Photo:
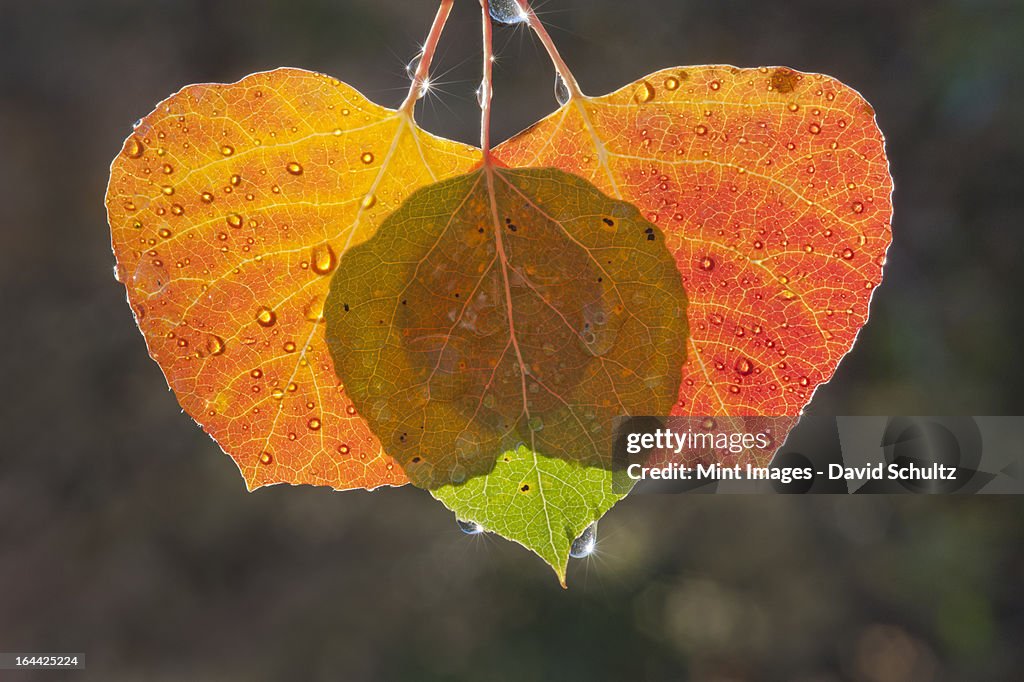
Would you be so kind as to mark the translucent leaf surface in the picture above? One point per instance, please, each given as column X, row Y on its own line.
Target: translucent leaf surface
column 505, row 318
column 773, row 190
column 230, row 207
column 541, row 502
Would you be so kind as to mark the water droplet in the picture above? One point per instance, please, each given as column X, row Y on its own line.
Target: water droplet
column 814, row 128
column 206, row 197
column 368, row 201
column 314, row 424
column 227, row 150
column 367, row 157
column 585, row 544
column 562, row 93
column 235, row 180
column 324, row 260
column 744, row 366
column 707, row 263
column 234, row 220
column 701, row 130
column 214, row 345
column 294, row 168
column 178, row 209
column 671, row 83
column 470, row 527
column 289, row 347
column 410, row 69
column 167, row 190
column 804, row 381
column 133, row 148
column 256, row 373
column 266, row 317
column 164, row 232
column 644, row 92
column 507, row 12
column 351, row 409
column 858, row 207
column 314, row 311
column 266, row 458
column 847, row 254
column 480, row 94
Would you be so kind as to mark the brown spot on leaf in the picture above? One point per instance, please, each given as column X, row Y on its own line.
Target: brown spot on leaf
column 784, row 80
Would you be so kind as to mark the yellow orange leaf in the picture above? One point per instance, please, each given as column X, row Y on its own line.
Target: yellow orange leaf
column 230, row 207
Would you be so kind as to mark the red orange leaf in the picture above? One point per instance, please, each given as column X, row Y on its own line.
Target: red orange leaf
column 229, row 207
column 773, row 189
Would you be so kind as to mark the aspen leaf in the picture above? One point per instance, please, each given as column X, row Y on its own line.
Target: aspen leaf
column 230, row 207
column 256, row 224
column 505, row 307
column 773, row 190
column 491, row 331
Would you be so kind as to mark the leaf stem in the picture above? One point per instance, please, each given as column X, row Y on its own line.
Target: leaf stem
column 561, row 68
column 486, row 90
column 422, row 77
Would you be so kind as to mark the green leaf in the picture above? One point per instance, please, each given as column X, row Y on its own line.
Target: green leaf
column 490, row 333
column 543, row 503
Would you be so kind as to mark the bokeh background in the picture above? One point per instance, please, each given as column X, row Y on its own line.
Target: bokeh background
column 127, row 535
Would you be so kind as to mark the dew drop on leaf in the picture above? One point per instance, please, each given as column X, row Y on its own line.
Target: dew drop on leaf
column 266, row 317
column 561, row 90
column 214, row 345
column 585, row 544
column 469, row 527
column 324, row 260
column 314, row 310
column 644, row 92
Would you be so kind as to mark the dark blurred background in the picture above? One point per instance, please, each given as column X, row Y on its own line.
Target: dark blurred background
column 126, row 534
